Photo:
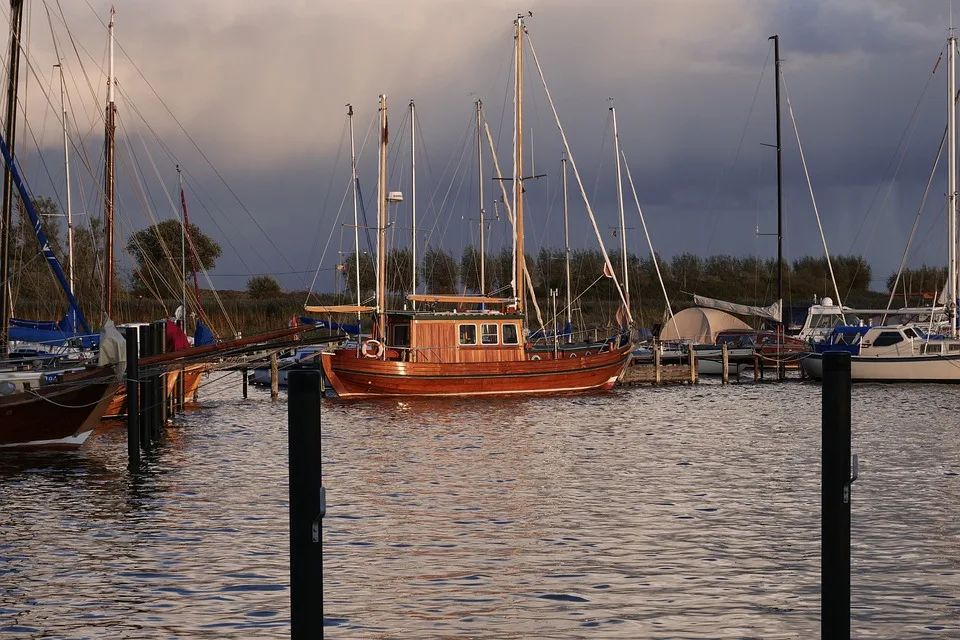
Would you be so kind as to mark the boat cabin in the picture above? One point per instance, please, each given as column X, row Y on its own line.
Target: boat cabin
column 455, row 336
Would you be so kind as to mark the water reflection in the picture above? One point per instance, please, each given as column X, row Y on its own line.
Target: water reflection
column 643, row 513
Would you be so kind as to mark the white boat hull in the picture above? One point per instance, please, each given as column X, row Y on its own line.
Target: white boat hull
column 921, row 368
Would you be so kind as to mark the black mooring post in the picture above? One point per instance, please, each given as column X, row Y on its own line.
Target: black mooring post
column 164, row 396
column 244, row 372
column 835, row 498
column 159, row 390
column 146, row 391
column 307, row 505
column 133, row 400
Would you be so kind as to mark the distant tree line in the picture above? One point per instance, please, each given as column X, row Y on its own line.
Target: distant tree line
column 741, row 279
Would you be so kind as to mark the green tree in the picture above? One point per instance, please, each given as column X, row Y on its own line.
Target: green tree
column 470, row 269
column 263, row 287
column 439, row 271
column 399, row 271
column 158, row 250
column 368, row 277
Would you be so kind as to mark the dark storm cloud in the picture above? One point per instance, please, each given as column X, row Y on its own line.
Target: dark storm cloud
column 262, row 90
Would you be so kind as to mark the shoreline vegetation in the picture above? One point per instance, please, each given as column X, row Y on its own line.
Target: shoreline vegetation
column 742, row 279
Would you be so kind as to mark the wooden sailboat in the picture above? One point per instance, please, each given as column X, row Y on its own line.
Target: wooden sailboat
column 461, row 353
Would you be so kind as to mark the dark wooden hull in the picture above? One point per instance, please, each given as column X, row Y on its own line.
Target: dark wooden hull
column 191, row 383
column 358, row 377
column 61, row 415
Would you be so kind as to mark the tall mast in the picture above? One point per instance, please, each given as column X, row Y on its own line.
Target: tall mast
column 776, row 56
column 566, row 242
column 108, row 181
column 6, row 216
column 183, row 250
column 382, row 225
column 483, row 250
column 623, row 224
column 413, row 199
column 952, row 181
column 518, row 172
column 356, row 219
column 66, row 167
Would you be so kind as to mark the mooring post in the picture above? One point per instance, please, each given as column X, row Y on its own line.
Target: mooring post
column 307, row 505
column 835, row 498
column 133, row 400
column 756, row 367
column 275, row 377
column 164, row 381
column 691, row 356
column 146, row 412
column 657, row 364
column 725, row 361
column 244, row 371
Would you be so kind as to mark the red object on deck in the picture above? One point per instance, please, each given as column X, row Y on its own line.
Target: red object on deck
column 176, row 338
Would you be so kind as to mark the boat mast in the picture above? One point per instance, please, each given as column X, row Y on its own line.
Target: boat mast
column 483, row 251
column 623, row 224
column 108, row 180
column 66, row 166
column 356, row 219
column 566, row 242
column 413, row 200
column 183, row 251
column 952, row 181
column 6, row 217
column 518, row 171
column 776, row 56
column 382, row 225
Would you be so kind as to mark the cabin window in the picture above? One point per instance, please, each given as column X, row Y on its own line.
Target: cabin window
column 489, row 334
column 888, row 339
column 953, row 346
column 510, row 334
column 909, row 333
column 468, row 334
column 932, row 348
column 401, row 335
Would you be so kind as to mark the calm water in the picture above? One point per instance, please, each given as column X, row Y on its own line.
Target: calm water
column 642, row 513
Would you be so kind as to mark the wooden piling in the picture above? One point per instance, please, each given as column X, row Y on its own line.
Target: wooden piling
column 756, row 367
column 693, row 364
column 146, row 390
column 133, row 400
column 725, row 361
column 835, row 497
column 275, row 377
column 657, row 364
column 244, row 371
column 307, row 505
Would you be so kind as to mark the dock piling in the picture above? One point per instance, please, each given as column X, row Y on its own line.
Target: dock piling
column 145, row 390
column 133, row 400
column 244, row 372
column 307, row 505
column 274, row 377
column 657, row 364
column 725, row 360
column 692, row 357
column 835, row 497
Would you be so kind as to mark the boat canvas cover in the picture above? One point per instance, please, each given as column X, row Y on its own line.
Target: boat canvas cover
column 700, row 325
column 771, row 313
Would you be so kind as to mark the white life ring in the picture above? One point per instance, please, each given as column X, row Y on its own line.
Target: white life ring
column 372, row 349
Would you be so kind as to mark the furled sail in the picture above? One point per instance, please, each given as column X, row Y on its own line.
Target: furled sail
column 772, row 312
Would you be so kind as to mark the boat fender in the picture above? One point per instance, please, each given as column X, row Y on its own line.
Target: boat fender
column 535, row 357
column 372, row 349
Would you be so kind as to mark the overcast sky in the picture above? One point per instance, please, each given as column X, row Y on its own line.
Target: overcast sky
column 261, row 90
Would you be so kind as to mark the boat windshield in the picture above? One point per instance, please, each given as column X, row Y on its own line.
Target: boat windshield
column 830, row 320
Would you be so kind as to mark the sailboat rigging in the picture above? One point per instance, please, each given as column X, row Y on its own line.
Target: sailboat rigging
column 466, row 352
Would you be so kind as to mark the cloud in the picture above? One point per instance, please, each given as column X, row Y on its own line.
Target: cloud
column 261, row 87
